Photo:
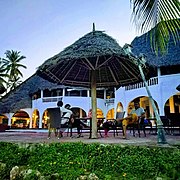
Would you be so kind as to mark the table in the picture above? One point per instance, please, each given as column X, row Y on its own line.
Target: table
column 99, row 123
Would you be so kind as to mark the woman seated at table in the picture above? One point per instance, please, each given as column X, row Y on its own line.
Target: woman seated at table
column 76, row 123
column 107, row 125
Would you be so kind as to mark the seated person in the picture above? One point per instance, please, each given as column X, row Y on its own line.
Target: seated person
column 111, row 124
column 90, row 113
column 107, row 125
column 76, row 123
column 134, row 117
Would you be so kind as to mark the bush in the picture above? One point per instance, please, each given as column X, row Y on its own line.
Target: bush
column 71, row 160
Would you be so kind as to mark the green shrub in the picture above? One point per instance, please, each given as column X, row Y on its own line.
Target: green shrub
column 71, row 160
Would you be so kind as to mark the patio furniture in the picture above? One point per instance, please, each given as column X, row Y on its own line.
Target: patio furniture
column 167, row 123
column 118, row 125
column 175, row 123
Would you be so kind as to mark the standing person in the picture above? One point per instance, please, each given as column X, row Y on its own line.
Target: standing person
column 133, row 117
column 65, row 115
column 53, row 121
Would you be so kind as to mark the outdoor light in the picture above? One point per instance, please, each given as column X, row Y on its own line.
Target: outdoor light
column 142, row 58
column 127, row 48
column 140, row 62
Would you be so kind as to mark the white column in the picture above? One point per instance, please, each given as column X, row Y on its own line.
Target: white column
column 40, row 119
column 158, row 71
column 41, row 93
column 30, row 123
column 9, row 115
column 88, row 93
column 63, row 94
column 104, row 94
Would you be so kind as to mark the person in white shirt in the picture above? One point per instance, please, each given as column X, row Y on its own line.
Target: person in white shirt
column 135, row 116
column 65, row 114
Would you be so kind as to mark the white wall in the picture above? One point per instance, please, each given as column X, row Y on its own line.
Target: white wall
column 161, row 92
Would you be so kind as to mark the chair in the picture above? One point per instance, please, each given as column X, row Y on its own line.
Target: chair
column 166, row 123
column 175, row 123
column 54, row 120
column 120, row 114
column 139, row 125
column 118, row 125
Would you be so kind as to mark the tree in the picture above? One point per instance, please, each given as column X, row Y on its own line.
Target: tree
column 12, row 64
column 159, row 16
column 3, row 76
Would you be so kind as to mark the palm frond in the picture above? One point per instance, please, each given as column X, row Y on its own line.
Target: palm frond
column 159, row 16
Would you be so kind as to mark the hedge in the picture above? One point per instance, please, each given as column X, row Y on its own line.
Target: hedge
column 71, row 160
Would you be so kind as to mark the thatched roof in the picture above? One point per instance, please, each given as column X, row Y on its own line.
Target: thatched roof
column 142, row 45
column 21, row 96
column 91, row 45
column 95, row 51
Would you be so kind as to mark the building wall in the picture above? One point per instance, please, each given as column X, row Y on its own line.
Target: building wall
column 160, row 92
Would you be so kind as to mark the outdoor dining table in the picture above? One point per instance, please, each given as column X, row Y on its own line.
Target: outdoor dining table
column 99, row 123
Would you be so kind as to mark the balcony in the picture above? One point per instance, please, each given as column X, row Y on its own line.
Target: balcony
column 150, row 82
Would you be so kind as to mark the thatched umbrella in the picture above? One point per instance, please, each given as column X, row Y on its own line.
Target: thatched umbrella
column 95, row 60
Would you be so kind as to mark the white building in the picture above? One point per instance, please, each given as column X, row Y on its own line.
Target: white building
column 27, row 105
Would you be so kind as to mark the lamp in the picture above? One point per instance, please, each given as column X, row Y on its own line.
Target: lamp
column 140, row 61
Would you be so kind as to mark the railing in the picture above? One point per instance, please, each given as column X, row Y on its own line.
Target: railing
column 51, row 99
column 109, row 101
column 150, row 82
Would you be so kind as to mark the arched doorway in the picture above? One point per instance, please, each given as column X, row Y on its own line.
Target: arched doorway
column 78, row 112
column 110, row 114
column 35, row 119
column 100, row 113
column 172, row 105
column 119, row 107
column 20, row 119
column 3, row 119
column 145, row 104
column 45, row 119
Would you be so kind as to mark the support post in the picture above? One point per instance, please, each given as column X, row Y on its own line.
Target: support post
column 94, row 105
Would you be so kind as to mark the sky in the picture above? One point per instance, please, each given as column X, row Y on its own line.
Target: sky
column 40, row 29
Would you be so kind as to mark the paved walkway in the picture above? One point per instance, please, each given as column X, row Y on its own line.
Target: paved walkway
column 27, row 136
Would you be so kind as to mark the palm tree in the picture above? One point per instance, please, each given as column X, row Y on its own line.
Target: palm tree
column 3, row 76
column 12, row 64
column 13, row 83
column 159, row 16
